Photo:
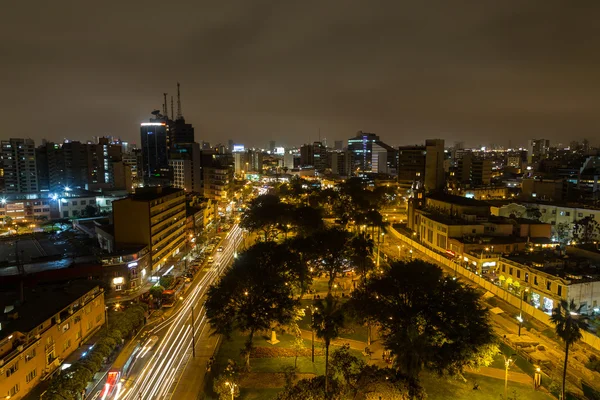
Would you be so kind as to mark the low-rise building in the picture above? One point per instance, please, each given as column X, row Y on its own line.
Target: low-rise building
column 544, row 278
column 37, row 334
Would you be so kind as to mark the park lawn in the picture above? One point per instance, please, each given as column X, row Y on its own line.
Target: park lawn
column 489, row 388
column 351, row 329
column 258, row 394
column 231, row 350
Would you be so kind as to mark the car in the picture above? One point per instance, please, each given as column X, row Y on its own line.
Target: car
column 210, row 260
column 220, row 248
column 217, row 239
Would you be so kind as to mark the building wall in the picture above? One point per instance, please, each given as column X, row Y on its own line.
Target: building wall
column 48, row 345
column 435, row 177
column 125, row 211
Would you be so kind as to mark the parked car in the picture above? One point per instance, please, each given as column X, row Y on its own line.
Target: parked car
column 220, row 248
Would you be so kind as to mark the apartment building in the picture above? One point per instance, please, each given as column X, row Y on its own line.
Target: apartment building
column 36, row 335
column 154, row 217
column 217, row 183
column 17, row 159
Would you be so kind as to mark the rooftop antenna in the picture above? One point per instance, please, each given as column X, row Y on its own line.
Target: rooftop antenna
column 165, row 106
column 179, row 115
column 172, row 113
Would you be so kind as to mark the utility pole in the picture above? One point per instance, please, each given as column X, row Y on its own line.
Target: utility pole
column 193, row 335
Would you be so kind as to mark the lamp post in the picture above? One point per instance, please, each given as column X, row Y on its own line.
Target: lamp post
column 520, row 317
column 312, row 330
column 507, row 362
column 399, row 254
column 231, row 388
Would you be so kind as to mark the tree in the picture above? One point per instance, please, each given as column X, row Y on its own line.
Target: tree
column 166, row 281
column 533, row 213
column 157, row 291
column 8, row 220
column 308, row 389
column 331, row 252
column 328, row 318
column 426, row 319
column 253, row 295
column 361, row 251
column 563, row 232
column 264, row 214
column 90, row 211
column 569, row 323
column 586, row 230
column 348, row 366
column 307, row 220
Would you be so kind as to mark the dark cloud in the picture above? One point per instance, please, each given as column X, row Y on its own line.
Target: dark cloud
column 482, row 71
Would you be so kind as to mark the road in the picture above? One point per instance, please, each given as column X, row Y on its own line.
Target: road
column 157, row 373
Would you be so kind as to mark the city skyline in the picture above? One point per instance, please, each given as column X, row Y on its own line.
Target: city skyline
column 262, row 72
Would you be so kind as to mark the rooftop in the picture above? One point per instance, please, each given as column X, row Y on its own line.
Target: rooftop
column 153, row 193
column 459, row 200
column 41, row 303
column 567, row 267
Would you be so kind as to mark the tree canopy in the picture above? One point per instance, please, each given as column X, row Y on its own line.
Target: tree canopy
column 426, row 319
column 253, row 295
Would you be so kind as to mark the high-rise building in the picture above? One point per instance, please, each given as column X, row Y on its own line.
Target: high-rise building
column 422, row 165
column 307, row 156
column 50, row 164
column 319, row 156
column 155, row 150
column 337, row 162
column 339, row 145
column 537, row 150
column 271, row 146
column 185, row 164
column 180, row 132
column 18, row 163
column 369, row 154
column 155, row 217
column 254, row 159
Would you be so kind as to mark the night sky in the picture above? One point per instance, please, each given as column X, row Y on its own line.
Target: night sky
column 480, row 71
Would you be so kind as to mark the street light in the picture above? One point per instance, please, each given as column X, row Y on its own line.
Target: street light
column 507, row 363
column 232, row 388
column 520, row 317
column 312, row 329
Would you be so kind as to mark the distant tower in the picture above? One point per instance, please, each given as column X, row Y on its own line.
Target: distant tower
column 179, row 114
column 165, row 113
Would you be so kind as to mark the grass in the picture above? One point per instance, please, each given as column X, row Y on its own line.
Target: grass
column 351, row 329
column 490, row 389
column 258, row 394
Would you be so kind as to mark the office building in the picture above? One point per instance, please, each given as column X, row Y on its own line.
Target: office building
column 18, row 163
column 254, row 159
column 338, row 145
column 154, row 217
column 155, row 150
column 307, row 156
column 217, row 182
column 337, row 160
column 422, row 165
column 42, row 329
column 537, row 150
column 272, row 146
column 369, row 154
column 185, row 165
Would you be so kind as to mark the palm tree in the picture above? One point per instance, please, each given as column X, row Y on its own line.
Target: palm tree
column 569, row 323
column 362, row 249
column 328, row 318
